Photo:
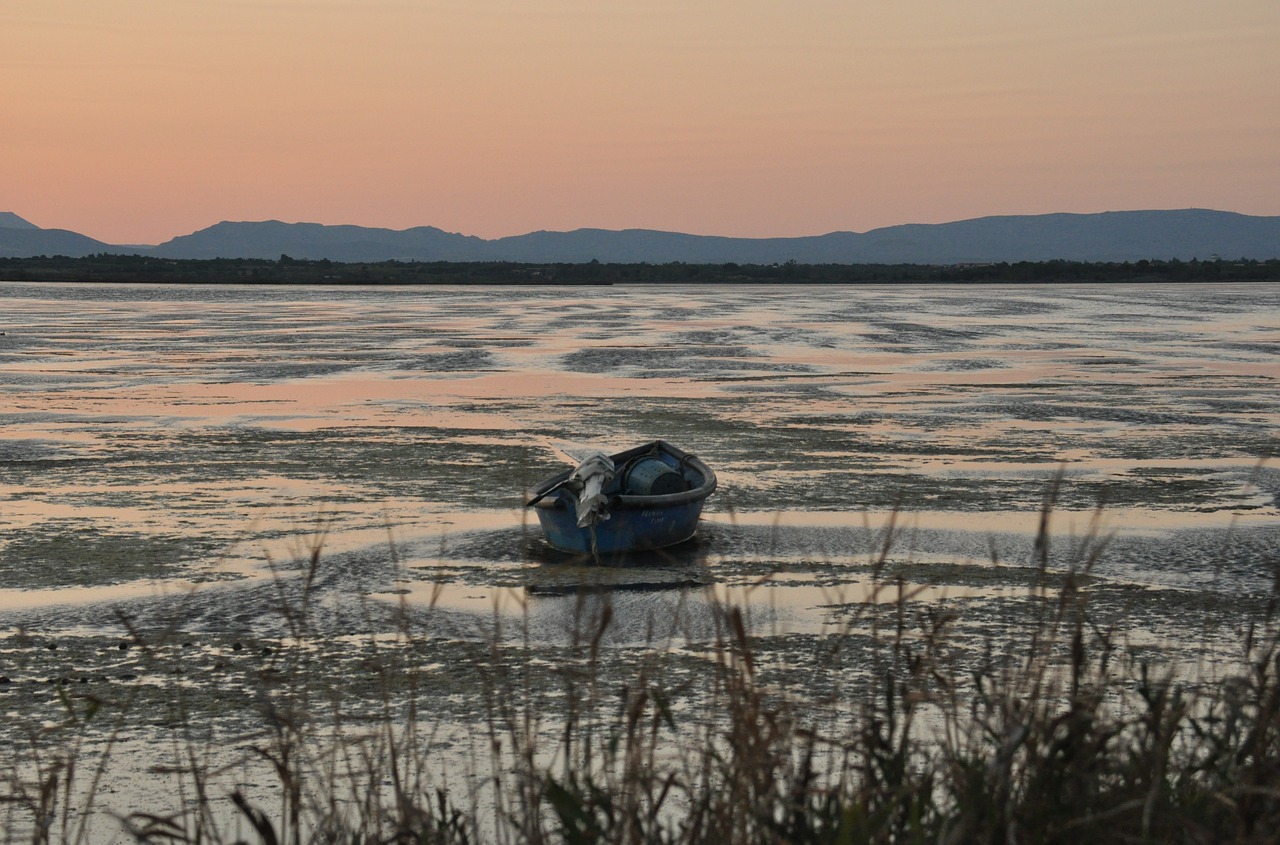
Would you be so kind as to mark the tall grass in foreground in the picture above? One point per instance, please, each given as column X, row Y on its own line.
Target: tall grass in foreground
column 1057, row 734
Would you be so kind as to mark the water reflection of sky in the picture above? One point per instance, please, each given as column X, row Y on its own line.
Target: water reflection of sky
column 183, row 435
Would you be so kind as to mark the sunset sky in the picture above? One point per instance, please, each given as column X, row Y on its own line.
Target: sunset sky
column 134, row 121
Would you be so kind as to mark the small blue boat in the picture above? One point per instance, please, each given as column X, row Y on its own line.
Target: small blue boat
column 641, row 499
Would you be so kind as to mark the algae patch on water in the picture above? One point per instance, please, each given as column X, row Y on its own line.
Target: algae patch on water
column 73, row 553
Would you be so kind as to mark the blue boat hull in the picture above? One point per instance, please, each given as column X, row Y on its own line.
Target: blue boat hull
column 624, row 531
column 635, row 523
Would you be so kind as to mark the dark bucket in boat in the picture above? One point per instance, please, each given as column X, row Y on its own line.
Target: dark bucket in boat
column 652, row 477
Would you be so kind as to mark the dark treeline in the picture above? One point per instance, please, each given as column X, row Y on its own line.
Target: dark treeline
column 140, row 268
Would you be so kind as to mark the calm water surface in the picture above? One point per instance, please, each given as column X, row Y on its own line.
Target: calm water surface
column 155, row 437
column 170, row 457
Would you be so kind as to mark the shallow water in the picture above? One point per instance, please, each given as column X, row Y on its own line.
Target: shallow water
column 170, row 458
column 158, row 438
column 155, row 437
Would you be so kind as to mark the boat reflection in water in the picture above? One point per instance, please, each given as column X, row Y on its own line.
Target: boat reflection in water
column 679, row 567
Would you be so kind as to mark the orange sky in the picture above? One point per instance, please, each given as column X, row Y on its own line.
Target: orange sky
column 134, row 121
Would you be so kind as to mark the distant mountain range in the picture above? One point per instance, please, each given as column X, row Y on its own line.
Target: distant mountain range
column 1108, row 236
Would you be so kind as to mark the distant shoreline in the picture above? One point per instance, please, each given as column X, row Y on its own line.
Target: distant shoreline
column 134, row 269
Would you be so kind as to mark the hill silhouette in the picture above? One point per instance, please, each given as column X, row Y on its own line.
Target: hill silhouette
column 1109, row 236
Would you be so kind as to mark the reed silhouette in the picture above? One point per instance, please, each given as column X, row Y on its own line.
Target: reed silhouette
column 1052, row 731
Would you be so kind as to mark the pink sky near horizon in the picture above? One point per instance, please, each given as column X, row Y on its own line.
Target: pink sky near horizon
column 139, row 120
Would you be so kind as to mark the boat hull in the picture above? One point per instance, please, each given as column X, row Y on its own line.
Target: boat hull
column 635, row 523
